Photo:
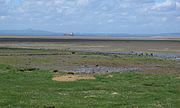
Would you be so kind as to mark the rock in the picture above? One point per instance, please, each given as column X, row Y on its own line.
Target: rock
column 71, row 73
column 152, row 54
column 55, row 71
column 73, row 52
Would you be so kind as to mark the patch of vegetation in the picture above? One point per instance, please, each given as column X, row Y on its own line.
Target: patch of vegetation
column 36, row 89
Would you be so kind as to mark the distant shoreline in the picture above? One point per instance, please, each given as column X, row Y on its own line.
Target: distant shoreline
column 101, row 38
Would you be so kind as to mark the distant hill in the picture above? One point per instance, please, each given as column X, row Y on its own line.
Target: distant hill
column 28, row 32
column 31, row 32
column 168, row 34
column 128, row 35
column 103, row 34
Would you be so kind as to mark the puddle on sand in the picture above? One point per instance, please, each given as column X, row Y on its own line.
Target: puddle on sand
column 178, row 59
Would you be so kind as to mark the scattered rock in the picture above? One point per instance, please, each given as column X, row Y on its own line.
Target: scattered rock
column 152, row 54
column 141, row 54
column 101, row 69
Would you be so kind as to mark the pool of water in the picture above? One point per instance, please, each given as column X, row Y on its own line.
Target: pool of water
column 178, row 59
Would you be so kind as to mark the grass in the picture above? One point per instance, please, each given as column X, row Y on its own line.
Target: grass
column 24, row 83
column 35, row 89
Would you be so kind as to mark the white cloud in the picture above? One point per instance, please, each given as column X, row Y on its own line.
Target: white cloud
column 164, row 19
column 178, row 17
column 165, row 6
column 110, row 21
column 178, row 5
column 53, row 5
column 82, row 2
column 3, row 17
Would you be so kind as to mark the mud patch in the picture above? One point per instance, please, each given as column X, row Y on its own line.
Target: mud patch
column 68, row 78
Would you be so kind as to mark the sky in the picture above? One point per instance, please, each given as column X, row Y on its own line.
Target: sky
column 91, row 16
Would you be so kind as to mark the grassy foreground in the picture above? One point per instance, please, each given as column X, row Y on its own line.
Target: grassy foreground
column 35, row 89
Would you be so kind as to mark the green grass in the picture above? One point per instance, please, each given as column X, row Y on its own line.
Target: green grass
column 35, row 89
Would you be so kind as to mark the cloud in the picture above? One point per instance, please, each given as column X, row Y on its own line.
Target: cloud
column 178, row 5
column 77, row 14
column 3, row 17
column 40, row 5
column 82, row 2
column 3, row 7
column 110, row 21
column 44, row 9
column 168, row 5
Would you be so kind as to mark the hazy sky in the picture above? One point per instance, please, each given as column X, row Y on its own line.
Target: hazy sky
column 115, row 16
